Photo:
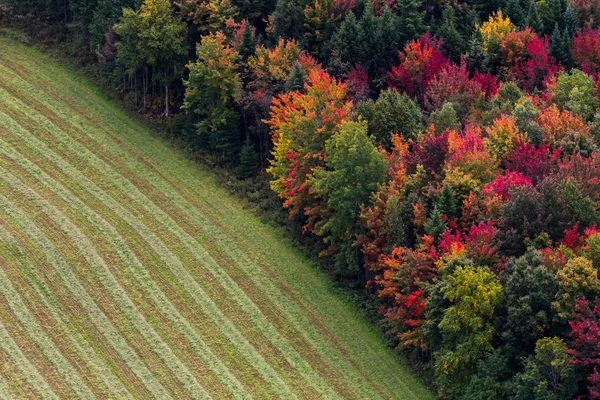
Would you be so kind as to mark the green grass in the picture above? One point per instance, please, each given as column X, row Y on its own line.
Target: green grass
column 127, row 272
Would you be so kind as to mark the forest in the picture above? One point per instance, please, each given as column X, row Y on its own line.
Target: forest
column 443, row 155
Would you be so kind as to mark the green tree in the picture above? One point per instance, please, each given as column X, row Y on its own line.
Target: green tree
column 297, row 79
column 353, row 171
column 447, row 202
column 248, row 44
column 288, row 19
column 526, row 313
column 570, row 21
column 445, row 118
column 210, row 91
column 534, row 20
column 466, row 326
column 454, row 44
column 475, row 54
column 492, row 378
column 548, row 375
column 162, row 41
column 410, row 20
column 346, row 44
column 153, row 38
column 575, row 92
column 578, row 279
column 435, row 225
column 557, row 48
column 248, row 160
column 392, row 113
column 515, row 12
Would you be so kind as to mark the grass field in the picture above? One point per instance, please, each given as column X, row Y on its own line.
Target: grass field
column 128, row 273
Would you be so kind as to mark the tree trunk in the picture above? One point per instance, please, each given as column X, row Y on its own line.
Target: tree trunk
column 135, row 87
column 145, row 83
column 66, row 6
column 166, row 100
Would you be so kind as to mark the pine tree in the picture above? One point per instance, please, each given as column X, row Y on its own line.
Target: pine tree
column 388, row 40
column 347, row 41
column 248, row 45
column 556, row 14
column 533, row 18
column 296, row 79
column 248, row 160
column 453, row 40
column 516, row 13
column 435, row 224
column 475, row 55
column 368, row 40
column 410, row 20
column 288, row 19
column 570, row 20
column 447, row 202
column 567, row 56
column 556, row 45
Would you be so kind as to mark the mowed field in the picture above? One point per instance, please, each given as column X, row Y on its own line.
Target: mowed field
column 127, row 273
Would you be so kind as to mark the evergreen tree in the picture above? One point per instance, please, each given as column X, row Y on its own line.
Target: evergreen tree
column 533, row 18
column 556, row 45
column 410, row 20
column 516, row 13
column 346, row 43
column 435, row 224
column 567, row 55
column 570, row 21
column 368, row 25
column 248, row 45
column 475, row 55
column 288, row 19
column 555, row 14
column 447, row 202
column 248, row 160
column 296, row 79
column 454, row 44
column 387, row 40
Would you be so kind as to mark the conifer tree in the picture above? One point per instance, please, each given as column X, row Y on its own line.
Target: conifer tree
column 347, row 41
column 435, row 224
column 533, row 18
column 248, row 160
column 410, row 20
column 248, row 45
column 296, row 79
column 288, row 19
column 475, row 55
column 388, row 40
column 516, row 13
column 570, row 22
column 447, row 202
column 453, row 40
column 556, row 45
column 566, row 41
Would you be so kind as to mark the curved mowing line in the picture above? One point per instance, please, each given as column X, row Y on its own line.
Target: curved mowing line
column 170, row 259
column 113, row 287
column 135, row 267
column 22, row 363
column 38, row 335
column 74, row 337
column 75, row 287
column 194, row 248
column 207, row 226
